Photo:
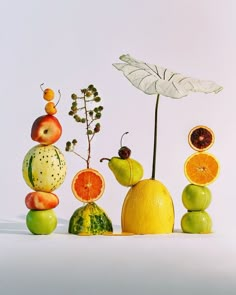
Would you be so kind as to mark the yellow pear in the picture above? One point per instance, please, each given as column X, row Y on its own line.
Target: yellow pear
column 126, row 171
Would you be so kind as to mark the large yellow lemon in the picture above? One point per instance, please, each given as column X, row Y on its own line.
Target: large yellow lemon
column 148, row 209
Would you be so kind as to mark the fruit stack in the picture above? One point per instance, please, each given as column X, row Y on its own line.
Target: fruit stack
column 201, row 169
column 44, row 170
column 88, row 184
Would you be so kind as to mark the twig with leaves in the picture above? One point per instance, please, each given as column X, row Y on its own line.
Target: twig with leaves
column 82, row 111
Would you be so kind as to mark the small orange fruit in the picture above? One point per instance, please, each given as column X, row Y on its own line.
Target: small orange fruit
column 201, row 138
column 201, row 168
column 88, row 185
column 48, row 94
column 50, row 108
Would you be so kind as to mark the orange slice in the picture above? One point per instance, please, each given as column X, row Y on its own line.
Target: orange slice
column 88, row 185
column 201, row 138
column 201, row 168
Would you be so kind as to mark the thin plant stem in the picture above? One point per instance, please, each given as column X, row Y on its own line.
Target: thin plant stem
column 155, row 139
column 80, row 156
column 88, row 137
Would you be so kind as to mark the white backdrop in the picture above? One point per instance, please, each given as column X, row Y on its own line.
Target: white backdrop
column 70, row 44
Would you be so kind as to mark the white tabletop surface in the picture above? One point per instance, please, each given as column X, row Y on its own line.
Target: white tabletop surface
column 61, row 263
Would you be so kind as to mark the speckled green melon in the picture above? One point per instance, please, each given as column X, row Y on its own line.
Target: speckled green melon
column 44, row 168
column 89, row 219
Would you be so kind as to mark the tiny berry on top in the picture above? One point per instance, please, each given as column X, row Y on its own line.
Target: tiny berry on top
column 50, row 108
column 48, row 94
column 124, row 152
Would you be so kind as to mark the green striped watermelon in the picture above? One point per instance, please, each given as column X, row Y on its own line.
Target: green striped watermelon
column 44, row 168
column 89, row 219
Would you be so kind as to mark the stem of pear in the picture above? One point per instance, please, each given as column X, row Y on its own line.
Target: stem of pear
column 155, row 139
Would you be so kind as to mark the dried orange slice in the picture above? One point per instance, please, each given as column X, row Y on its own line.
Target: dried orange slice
column 88, row 185
column 201, row 168
column 201, row 138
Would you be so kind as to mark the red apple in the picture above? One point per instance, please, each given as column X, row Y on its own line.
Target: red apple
column 41, row 200
column 46, row 129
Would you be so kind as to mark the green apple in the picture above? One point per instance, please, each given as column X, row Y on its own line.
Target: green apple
column 41, row 222
column 196, row 197
column 196, row 222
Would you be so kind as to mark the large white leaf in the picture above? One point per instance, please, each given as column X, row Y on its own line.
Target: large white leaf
column 152, row 79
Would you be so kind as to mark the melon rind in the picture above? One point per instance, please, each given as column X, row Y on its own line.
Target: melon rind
column 44, row 168
column 89, row 219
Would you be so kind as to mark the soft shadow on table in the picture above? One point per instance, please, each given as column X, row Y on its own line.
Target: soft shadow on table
column 18, row 226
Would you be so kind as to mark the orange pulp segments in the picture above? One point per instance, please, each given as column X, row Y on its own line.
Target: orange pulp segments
column 88, row 185
column 201, row 168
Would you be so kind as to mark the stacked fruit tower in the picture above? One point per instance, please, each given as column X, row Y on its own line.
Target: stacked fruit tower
column 201, row 169
column 88, row 184
column 44, row 169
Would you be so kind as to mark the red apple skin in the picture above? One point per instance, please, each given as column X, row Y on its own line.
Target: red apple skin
column 41, row 200
column 46, row 129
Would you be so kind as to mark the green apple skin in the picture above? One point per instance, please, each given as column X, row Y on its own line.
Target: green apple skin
column 127, row 172
column 41, row 222
column 195, row 197
column 196, row 222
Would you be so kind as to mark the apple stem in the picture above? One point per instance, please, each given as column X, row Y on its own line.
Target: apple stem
column 155, row 139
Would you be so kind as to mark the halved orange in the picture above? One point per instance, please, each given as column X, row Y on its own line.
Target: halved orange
column 201, row 138
column 88, row 185
column 201, row 168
